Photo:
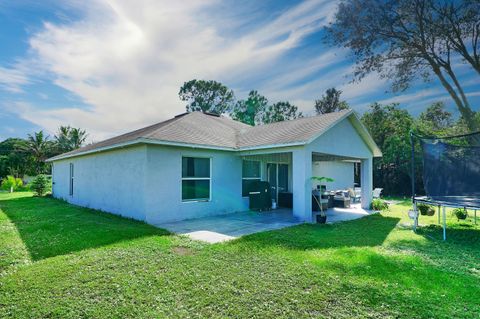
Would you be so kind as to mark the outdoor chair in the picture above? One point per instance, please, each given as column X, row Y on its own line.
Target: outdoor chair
column 355, row 197
column 341, row 199
column 377, row 192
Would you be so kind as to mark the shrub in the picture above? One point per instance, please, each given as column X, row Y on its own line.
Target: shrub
column 24, row 188
column 426, row 209
column 11, row 183
column 460, row 213
column 379, row 204
column 40, row 185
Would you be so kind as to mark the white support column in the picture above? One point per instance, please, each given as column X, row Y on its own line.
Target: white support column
column 302, row 184
column 366, row 177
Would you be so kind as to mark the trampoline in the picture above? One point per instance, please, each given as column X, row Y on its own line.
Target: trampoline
column 451, row 173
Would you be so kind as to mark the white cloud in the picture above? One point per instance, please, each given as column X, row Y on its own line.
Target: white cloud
column 12, row 79
column 127, row 59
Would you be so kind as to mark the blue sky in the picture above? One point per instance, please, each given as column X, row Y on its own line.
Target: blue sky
column 113, row 66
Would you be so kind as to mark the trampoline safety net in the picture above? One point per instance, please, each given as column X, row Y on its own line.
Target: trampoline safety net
column 451, row 168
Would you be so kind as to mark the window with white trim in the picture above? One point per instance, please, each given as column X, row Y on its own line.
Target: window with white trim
column 71, row 179
column 195, row 179
column 250, row 175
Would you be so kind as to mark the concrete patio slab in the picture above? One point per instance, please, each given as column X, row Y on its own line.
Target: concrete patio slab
column 337, row 214
column 214, row 229
column 225, row 227
column 209, row 236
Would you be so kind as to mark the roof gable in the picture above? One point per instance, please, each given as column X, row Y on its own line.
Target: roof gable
column 288, row 132
column 201, row 130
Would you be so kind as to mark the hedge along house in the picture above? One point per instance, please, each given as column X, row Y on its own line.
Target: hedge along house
column 198, row 164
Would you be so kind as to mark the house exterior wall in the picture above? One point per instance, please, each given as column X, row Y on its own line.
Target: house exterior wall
column 163, row 191
column 109, row 181
column 342, row 174
column 342, row 140
column 145, row 182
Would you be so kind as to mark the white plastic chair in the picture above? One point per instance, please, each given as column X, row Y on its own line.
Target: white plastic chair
column 377, row 192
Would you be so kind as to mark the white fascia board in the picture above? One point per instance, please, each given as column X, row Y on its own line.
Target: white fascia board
column 262, row 147
column 96, row 150
column 139, row 141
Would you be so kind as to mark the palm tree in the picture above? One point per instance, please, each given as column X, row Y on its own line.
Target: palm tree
column 70, row 138
column 77, row 137
column 38, row 145
column 63, row 138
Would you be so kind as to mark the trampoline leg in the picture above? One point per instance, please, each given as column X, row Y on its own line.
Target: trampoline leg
column 415, row 221
column 444, row 223
column 439, row 214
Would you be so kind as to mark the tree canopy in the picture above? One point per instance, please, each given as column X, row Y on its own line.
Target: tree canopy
column 248, row 111
column 280, row 111
column 214, row 97
column 330, row 102
column 404, row 40
column 19, row 157
column 435, row 120
column 70, row 138
column 390, row 128
column 207, row 96
column 39, row 146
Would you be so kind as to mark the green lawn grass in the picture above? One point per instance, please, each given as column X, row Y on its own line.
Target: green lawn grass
column 58, row 260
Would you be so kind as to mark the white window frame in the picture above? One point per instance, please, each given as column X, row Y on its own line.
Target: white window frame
column 197, row 179
column 251, row 178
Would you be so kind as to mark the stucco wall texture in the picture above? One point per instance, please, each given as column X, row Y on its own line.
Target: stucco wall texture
column 144, row 182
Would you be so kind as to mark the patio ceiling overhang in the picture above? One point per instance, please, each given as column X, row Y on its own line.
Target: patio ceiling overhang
column 322, row 157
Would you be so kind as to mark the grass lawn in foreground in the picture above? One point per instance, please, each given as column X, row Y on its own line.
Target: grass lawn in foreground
column 59, row 260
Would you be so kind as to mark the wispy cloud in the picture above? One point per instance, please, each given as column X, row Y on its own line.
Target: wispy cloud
column 12, row 79
column 128, row 59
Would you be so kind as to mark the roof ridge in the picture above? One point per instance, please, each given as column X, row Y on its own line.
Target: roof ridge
column 304, row 118
column 173, row 120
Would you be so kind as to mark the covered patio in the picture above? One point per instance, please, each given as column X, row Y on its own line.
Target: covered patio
column 214, row 229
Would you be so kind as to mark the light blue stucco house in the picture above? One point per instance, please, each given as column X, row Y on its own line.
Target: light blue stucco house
column 199, row 164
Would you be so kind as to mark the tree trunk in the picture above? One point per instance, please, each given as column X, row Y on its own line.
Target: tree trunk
column 467, row 114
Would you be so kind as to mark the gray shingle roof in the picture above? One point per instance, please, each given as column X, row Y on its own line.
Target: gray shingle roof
column 289, row 132
column 212, row 131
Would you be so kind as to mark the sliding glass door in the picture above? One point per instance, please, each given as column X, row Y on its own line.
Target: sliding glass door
column 277, row 176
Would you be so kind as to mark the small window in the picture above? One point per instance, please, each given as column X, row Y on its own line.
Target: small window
column 195, row 179
column 71, row 179
column 250, row 175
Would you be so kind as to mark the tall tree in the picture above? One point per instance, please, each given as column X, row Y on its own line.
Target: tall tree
column 330, row 102
column 390, row 128
column 206, row 96
column 62, row 138
column 39, row 146
column 280, row 111
column 248, row 111
column 77, row 137
column 70, row 138
column 14, row 159
column 407, row 39
column 435, row 120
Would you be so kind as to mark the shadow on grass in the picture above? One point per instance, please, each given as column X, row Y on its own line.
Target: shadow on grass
column 368, row 231
column 50, row 227
column 459, row 234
